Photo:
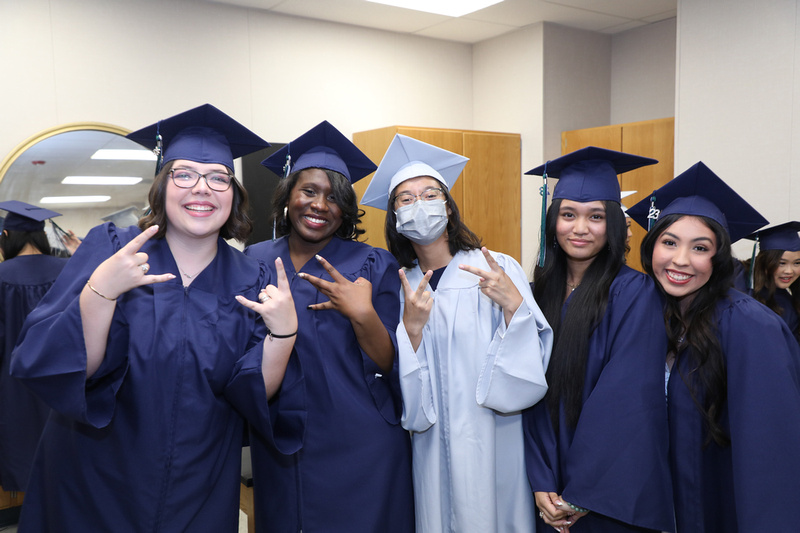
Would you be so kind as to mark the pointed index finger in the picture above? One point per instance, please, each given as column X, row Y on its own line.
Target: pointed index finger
column 330, row 269
column 489, row 259
column 137, row 242
column 283, row 281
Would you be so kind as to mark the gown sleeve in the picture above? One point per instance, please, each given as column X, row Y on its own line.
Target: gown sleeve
column 513, row 374
column 50, row 356
column 380, row 269
column 623, row 473
column 281, row 421
column 764, row 408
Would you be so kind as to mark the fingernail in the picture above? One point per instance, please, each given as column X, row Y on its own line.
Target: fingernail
column 302, row 275
column 559, row 503
column 318, row 257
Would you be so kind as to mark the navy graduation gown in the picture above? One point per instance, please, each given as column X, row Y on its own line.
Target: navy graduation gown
column 354, row 471
column 788, row 312
column 615, row 462
column 152, row 441
column 24, row 280
column 753, row 484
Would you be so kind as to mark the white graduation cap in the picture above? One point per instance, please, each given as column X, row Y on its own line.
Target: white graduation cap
column 622, row 195
column 409, row 158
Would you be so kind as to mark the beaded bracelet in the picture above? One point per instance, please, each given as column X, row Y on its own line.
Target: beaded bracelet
column 100, row 294
column 274, row 336
column 577, row 509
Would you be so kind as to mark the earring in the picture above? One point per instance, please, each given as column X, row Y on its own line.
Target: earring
column 285, row 211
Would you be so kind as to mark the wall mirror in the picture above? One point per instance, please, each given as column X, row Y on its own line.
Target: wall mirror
column 88, row 172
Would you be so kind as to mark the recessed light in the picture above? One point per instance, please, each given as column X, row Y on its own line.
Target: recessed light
column 450, row 8
column 100, row 180
column 124, row 155
column 73, row 199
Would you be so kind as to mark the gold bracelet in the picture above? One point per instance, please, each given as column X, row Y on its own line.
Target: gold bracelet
column 100, row 294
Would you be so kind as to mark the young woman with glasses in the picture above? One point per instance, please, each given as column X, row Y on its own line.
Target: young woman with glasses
column 153, row 346
column 472, row 348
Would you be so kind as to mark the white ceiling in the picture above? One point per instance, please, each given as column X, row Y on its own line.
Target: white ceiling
column 605, row 16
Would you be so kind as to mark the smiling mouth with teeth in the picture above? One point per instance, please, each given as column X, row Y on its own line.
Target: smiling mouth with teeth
column 199, row 208
column 677, row 276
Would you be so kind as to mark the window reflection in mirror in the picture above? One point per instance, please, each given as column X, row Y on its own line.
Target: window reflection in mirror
column 84, row 171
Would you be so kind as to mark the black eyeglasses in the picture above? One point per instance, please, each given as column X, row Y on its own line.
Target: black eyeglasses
column 186, row 179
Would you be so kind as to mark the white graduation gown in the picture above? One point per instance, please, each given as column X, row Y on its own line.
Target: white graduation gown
column 463, row 391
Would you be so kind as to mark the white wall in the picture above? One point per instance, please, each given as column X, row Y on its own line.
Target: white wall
column 132, row 63
column 643, row 73
column 507, row 84
column 738, row 99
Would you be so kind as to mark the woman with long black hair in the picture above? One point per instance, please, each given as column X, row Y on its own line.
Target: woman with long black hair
column 596, row 447
column 732, row 366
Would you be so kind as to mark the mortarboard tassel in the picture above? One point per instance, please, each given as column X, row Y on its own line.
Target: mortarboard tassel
column 752, row 269
column 287, row 169
column 653, row 214
column 158, row 149
column 543, row 229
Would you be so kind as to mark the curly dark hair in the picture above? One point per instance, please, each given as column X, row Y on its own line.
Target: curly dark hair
column 238, row 226
column 343, row 195
column 567, row 370
column 459, row 236
column 695, row 328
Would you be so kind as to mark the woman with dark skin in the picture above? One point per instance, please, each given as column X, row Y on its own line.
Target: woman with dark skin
column 732, row 366
column 353, row 472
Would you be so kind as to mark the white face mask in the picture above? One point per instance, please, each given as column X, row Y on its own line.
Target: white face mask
column 422, row 222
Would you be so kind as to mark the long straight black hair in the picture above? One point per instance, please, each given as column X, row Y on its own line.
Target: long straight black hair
column 696, row 329
column 567, row 370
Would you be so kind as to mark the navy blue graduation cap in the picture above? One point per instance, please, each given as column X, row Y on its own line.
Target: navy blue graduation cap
column 700, row 192
column 585, row 175
column 590, row 174
column 323, row 146
column 203, row 134
column 782, row 237
column 25, row 217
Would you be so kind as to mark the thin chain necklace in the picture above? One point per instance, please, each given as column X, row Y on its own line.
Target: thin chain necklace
column 571, row 286
column 190, row 276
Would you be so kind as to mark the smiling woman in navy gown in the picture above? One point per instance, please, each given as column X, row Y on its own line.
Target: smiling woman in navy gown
column 354, row 471
column 776, row 273
column 150, row 348
column 26, row 274
column 733, row 367
column 597, row 444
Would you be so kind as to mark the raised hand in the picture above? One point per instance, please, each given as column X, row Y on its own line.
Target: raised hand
column 496, row 285
column 275, row 305
column 126, row 269
column 351, row 298
column 417, row 307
